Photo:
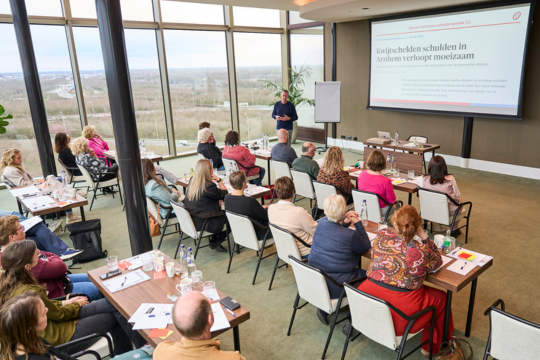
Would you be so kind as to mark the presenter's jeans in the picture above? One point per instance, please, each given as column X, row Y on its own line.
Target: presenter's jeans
column 411, row 302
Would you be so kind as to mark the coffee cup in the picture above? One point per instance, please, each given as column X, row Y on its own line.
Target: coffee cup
column 186, row 285
column 155, row 254
column 158, row 264
column 439, row 241
column 360, row 164
column 55, row 194
column 169, row 267
column 72, row 193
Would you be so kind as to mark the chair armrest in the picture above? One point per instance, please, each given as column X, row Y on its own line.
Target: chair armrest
column 494, row 305
column 72, row 295
column 258, row 224
column 86, row 352
column 173, row 187
column 86, row 338
column 301, row 241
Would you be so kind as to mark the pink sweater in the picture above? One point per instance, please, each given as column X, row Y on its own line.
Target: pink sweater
column 98, row 146
column 378, row 184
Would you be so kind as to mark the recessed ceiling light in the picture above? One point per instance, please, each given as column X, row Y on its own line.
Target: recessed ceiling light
column 365, row 8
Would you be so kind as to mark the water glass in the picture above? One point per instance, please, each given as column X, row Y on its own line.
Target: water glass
column 361, row 164
column 411, row 174
column 148, row 263
column 209, row 289
column 112, row 263
column 396, row 173
column 196, row 276
column 61, row 195
column 382, row 225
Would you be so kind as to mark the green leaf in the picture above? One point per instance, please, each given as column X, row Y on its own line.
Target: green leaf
column 2, row 110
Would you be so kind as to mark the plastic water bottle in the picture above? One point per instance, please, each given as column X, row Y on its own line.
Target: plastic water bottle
column 191, row 267
column 397, row 138
column 143, row 148
column 183, row 258
column 64, row 179
column 190, row 254
column 451, row 240
column 364, row 214
column 388, row 163
column 394, row 162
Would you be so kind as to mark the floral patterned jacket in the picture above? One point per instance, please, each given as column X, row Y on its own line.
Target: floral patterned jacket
column 94, row 165
column 401, row 264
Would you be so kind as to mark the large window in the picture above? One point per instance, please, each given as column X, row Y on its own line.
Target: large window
column 247, row 16
column 307, row 53
column 56, row 77
column 94, row 84
column 192, row 13
column 44, row 7
column 20, row 131
column 258, row 57
column 146, row 88
column 199, row 85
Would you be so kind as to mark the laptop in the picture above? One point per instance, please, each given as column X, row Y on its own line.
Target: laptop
column 384, row 135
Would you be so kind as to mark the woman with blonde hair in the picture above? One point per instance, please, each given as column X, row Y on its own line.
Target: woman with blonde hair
column 399, row 265
column 14, row 174
column 203, row 200
column 332, row 173
column 96, row 142
column 97, row 168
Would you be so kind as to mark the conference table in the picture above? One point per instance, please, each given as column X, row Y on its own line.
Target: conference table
column 77, row 201
column 404, row 186
column 449, row 281
column 127, row 301
column 263, row 155
column 111, row 154
column 405, row 145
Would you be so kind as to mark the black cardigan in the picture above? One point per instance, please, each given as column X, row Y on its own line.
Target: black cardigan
column 207, row 205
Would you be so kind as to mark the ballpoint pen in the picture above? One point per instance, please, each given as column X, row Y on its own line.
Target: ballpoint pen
column 230, row 312
column 463, row 266
column 123, row 282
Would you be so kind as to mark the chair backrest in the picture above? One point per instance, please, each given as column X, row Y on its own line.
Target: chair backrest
column 372, row 201
column 229, row 163
column 513, row 337
column 243, row 231
column 419, row 139
column 434, row 206
column 312, row 285
column 281, row 169
column 184, row 219
column 63, row 167
column 153, row 210
column 86, row 176
column 372, row 317
column 322, row 191
column 303, row 184
column 285, row 243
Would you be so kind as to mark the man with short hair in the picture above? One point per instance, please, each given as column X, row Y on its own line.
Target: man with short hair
column 282, row 151
column 193, row 317
column 305, row 162
column 285, row 114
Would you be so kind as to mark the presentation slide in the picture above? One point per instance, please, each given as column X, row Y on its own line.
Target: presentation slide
column 464, row 62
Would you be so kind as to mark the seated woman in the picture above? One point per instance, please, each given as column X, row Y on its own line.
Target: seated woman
column 206, row 125
column 438, row 179
column 96, row 143
column 233, row 150
column 96, row 167
column 292, row 218
column 238, row 203
column 374, row 181
column 61, row 147
column 50, row 269
column 14, row 175
column 203, row 199
column 156, row 188
column 209, row 150
column 69, row 319
column 399, row 265
column 336, row 248
column 25, row 312
column 332, row 173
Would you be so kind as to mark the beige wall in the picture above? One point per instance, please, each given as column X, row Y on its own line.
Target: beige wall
column 506, row 141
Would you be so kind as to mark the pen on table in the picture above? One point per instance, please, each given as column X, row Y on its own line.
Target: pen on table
column 454, row 252
column 463, row 266
column 123, row 282
column 162, row 314
column 230, row 312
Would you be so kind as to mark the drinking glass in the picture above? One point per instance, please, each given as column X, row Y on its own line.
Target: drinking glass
column 148, row 263
column 61, row 195
column 411, row 174
column 112, row 263
column 396, row 173
column 209, row 289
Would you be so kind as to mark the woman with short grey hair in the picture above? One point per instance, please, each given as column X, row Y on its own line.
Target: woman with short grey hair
column 336, row 248
column 208, row 149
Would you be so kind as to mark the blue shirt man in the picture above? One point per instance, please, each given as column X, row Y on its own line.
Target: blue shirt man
column 285, row 113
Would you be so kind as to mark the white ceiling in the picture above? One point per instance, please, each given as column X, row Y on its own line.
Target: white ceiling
column 344, row 10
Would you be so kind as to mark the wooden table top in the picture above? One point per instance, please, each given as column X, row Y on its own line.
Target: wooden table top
column 260, row 156
column 111, row 155
column 155, row 291
column 404, row 186
column 429, row 148
column 79, row 201
column 444, row 278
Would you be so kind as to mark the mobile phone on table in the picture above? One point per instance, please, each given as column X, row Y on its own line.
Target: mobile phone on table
column 110, row 274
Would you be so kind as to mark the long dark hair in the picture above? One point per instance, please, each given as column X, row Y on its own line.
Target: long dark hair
column 437, row 170
column 149, row 173
column 14, row 259
column 19, row 318
column 61, row 141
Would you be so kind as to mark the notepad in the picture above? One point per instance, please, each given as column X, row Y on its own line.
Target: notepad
column 445, row 260
column 462, row 267
column 466, row 255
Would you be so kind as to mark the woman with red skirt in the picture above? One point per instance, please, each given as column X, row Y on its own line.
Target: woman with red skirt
column 400, row 263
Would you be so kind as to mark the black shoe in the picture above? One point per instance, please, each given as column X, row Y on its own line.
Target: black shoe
column 456, row 233
column 219, row 248
column 345, row 329
column 323, row 317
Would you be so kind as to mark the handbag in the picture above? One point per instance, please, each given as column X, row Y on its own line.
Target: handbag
column 451, row 350
column 86, row 235
column 155, row 229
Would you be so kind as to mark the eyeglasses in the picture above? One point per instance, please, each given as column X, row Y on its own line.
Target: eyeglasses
column 20, row 227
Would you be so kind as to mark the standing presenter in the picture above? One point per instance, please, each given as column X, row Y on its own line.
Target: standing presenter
column 285, row 113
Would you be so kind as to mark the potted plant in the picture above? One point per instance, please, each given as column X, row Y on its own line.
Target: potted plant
column 3, row 122
column 297, row 82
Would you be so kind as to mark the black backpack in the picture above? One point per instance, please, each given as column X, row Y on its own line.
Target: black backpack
column 86, row 235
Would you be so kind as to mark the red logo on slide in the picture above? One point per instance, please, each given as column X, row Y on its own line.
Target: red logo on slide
column 517, row 15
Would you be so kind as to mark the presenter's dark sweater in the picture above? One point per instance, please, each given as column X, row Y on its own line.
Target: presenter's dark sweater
column 288, row 109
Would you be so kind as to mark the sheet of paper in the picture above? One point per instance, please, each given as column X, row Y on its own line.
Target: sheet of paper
column 409, row 145
column 28, row 224
column 128, row 279
column 212, row 294
column 371, row 235
column 135, row 264
column 220, row 319
column 355, row 173
column 38, row 203
column 145, row 321
column 151, row 309
column 445, row 260
column 462, row 267
column 478, row 260
column 64, row 203
column 24, row 191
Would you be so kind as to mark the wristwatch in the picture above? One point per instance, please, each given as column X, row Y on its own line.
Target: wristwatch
column 219, row 180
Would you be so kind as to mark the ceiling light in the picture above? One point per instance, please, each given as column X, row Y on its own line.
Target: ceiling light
column 365, row 8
